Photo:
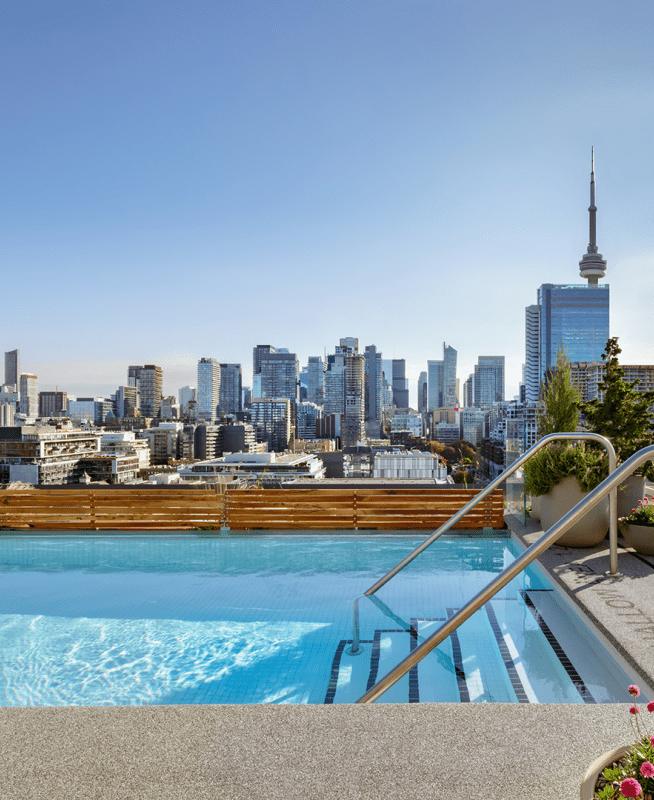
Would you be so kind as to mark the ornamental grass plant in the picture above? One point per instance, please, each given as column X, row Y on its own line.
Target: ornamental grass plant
column 633, row 774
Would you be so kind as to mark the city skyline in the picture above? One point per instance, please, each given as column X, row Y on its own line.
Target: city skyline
column 386, row 171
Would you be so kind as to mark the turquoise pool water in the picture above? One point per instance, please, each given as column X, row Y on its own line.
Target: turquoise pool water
column 117, row 620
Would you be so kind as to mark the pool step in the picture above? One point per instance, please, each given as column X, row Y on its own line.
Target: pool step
column 482, row 661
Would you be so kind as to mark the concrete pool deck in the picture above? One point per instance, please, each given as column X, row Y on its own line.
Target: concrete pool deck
column 403, row 752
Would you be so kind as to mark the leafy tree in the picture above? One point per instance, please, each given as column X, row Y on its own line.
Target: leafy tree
column 624, row 414
column 559, row 412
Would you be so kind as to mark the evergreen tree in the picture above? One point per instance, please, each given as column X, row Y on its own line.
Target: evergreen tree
column 559, row 412
column 624, row 414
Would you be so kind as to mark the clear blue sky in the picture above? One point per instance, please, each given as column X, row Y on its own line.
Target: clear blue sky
column 189, row 179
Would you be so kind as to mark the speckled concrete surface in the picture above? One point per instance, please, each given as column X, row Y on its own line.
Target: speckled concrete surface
column 396, row 752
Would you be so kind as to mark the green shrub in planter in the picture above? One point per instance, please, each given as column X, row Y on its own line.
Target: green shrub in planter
column 555, row 462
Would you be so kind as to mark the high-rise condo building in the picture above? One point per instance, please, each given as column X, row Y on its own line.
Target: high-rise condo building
column 208, row 394
column 12, row 368
column 374, row 384
column 353, row 428
column 450, row 398
column 148, row 380
column 231, row 389
column 257, row 352
column 128, row 402
column 572, row 317
column 184, row 395
column 29, row 395
column 272, row 416
column 316, row 380
column 489, row 381
column 279, row 375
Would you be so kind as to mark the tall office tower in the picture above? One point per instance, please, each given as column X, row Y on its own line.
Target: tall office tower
column 435, row 384
column 574, row 317
column 353, row 429
column 12, row 368
column 374, row 384
column 52, row 403
column 350, row 343
column 592, row 265
column 400, row 384
column 422, row 392
column 29, row 395
column 257, row 352
column 532, row 354
column 489, row 381
column 208, row 394
column 450, row 398
column 184, row 395
column 316, row 380
column 279, row 375
column 231, row 389
column 273, row 417
column 149, row 381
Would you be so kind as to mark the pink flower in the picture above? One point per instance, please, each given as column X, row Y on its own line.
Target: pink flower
column 634, row 710
column 630, row 787
column 650, row 708
column 651, row 740
column 647, row 769
column 640, row 502
column 634, row 690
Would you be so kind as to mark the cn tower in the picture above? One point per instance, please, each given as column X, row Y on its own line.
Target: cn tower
column 593, row 265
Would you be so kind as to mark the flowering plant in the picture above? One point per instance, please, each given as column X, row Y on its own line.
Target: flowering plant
column 633, row 774
column 643, row 514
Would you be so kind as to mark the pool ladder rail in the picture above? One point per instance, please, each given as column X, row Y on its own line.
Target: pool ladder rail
column 609, row 486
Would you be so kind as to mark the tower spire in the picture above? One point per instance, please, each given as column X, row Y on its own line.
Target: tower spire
column 592, row 266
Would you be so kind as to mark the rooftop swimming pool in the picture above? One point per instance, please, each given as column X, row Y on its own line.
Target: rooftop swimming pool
column 167, row 619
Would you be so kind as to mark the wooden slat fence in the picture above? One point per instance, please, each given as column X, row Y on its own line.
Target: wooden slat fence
column 122, row 509
column 245, row 509
column 359, row 508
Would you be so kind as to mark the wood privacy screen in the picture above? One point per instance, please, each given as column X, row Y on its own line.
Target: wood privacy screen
column 243, row 509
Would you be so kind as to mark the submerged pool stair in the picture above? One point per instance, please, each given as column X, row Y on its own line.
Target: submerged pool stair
column 478, row 663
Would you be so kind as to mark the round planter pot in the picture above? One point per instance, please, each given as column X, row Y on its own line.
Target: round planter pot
column 640, row 537
column 596, row 768
column 588, row 531
column 629, row 493
column 535, row 507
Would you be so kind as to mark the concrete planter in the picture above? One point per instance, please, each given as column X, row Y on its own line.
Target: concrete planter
column 640, row 537
column 629, row 493
column 590, row 530
column 535, row 507
column 596, row 768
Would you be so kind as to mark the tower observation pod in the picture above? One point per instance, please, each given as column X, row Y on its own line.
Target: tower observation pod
column 592, row 266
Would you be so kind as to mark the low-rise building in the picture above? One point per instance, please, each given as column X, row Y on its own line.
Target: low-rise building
column 44, row 455
column 414, row 465
column 260, row 468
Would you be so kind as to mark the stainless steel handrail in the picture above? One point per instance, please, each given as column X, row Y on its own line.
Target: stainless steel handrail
column 552, row 437
column 607, row 486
